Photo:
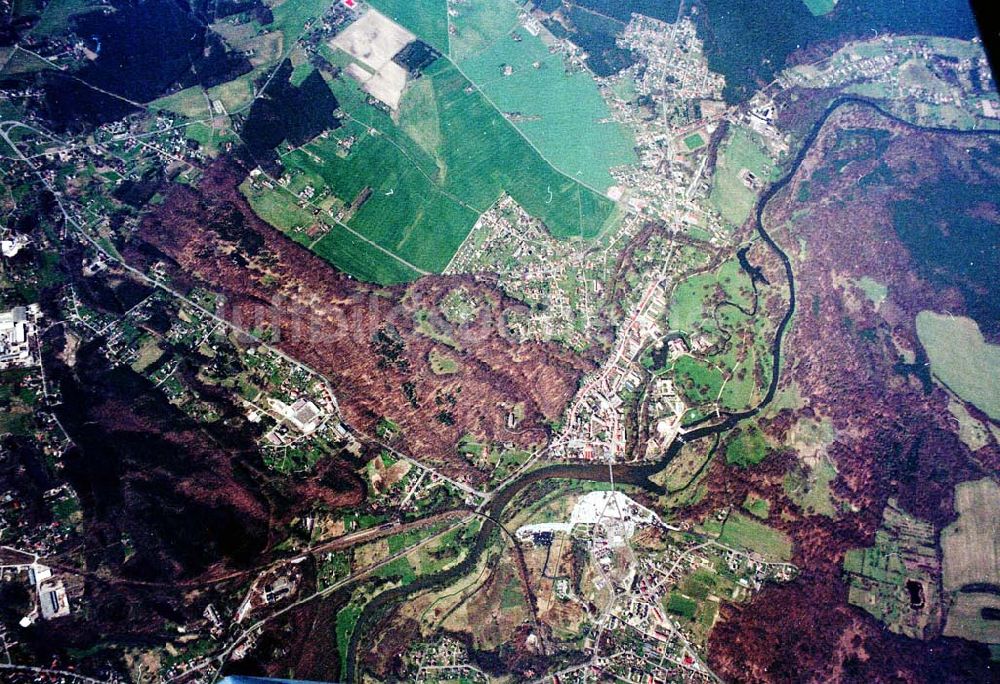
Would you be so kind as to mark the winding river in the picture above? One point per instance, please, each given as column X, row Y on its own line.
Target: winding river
column 632, row 474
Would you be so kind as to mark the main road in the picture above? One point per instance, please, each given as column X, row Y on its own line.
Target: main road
column 634, row 474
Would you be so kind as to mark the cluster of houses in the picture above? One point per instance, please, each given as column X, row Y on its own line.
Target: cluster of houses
column 905, row 66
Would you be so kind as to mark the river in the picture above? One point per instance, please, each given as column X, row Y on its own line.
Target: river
column 637, row 474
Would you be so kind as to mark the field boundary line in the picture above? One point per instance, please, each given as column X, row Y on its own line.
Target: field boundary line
column 353, row 232
column 521, row 133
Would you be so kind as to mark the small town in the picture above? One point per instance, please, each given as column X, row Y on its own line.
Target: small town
column 652, row 315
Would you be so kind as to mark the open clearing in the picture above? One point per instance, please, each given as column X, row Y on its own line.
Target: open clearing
column 820, row 7
column 730, row 195
column 973, row 433
column 441, row 363
column 810, row 488
column 971, row 550
column 971, row 545
column 191, row 102
column 759, row 508
column 743, row 532
column 961, row 359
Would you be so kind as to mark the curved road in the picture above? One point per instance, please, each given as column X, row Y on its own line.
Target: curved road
column 637, row 475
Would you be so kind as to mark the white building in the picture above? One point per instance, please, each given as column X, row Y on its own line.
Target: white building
column 17, row 330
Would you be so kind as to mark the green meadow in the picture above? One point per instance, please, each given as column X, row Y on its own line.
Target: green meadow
column 291, row 17
column 477, row 24
column 431, row 173
column 747, row 449
column 730, row 373
column 730, row 196
column 561, row 112
column 741, row 531
column 428, row 19
column 962, row 359
column 190, row 102
column 694, row 141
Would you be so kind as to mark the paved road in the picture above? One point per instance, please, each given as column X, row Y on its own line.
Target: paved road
column 51, row 673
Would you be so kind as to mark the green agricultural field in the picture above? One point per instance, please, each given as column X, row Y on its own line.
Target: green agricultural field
column 399, row 570
column 743, row 532
column 23, row 62
column 403, row 540
column 428, row 19
column 503, row 160
column 280, row 209
column 355, row 256
column 730, row 196
column 904, row 551
column 962, row 359
column 564, row 125
column 971, row 556
column 477, row 24
column 699, row 233
column 291, row 16
column 428, row 181
column 701, row 583
column 969, row 544
column 300, row 70
column 190, row 102
column 420, row 119
column 405, row 214
column 512, row 596
column 211, row 139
